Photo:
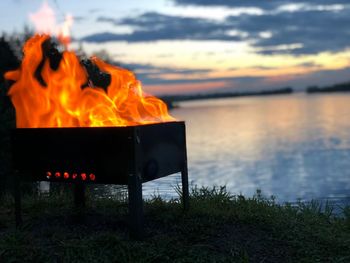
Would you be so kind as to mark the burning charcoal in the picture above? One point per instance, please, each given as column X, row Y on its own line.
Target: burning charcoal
column 65, row 104
column 96, row 76
column 50, row 52
column 37, row 74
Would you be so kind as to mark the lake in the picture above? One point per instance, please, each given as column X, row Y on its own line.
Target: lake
column 290, row 146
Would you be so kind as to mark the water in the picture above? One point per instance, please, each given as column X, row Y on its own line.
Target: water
column 292, row 146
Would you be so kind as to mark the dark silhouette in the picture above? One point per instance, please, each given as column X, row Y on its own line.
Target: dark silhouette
column 170, row 99
column 8, row 61
column 341, row 87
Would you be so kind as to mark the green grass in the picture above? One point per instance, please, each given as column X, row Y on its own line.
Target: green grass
column 218, row 227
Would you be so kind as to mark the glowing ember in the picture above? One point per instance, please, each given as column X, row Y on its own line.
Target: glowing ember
column 92, row 177
column 64, row 96
column 83, row 176
column 66, row 175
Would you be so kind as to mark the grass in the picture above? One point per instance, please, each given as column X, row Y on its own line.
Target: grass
column 218, row 227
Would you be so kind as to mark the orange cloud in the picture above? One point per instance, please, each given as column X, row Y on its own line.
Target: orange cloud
column 185, row 87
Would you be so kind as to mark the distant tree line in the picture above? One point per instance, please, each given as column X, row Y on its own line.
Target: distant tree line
column 170, row 99
column 340, row 87
column 8, row 61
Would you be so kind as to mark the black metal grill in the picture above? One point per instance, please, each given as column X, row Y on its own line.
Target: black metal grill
column 128, row 155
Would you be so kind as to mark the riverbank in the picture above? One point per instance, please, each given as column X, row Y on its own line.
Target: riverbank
column 218, row 228
column 341, row 87
column 173, row 100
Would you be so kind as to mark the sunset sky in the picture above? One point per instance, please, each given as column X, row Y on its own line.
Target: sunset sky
column 196, row 46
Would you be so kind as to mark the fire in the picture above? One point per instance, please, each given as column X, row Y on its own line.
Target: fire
column 44, row 21
column 64, row 31
column 63, row 95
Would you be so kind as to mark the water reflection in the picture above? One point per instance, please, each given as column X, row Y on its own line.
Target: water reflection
column 290, row 146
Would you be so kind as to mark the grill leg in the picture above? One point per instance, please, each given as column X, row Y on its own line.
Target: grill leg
column 135, row 207
column 79, row 195
column 185, row 191
column 17, row 196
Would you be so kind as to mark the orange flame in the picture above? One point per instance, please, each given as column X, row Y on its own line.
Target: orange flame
column 64, row 103
column 64, row 32
column 44, row 21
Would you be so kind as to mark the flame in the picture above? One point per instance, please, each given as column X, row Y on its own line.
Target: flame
column 44, row 21
column 64, row 101
column 64, row 31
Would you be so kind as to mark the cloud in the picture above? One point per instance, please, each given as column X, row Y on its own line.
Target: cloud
column 320, row 78
column 103, row 37
column 204, row 85
column 158, row 81
column 310, row 65
column 306, row 30
column 150, row 74
column 155, row 75
column 95, row 10
column 154, row 80
column 152, row 26
column 227, row 3
column 79, row 19
column 254, row 3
